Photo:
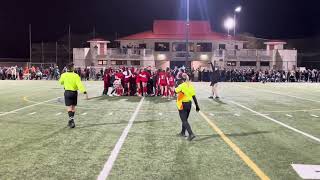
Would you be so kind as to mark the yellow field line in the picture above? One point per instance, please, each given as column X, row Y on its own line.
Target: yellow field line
column 236, row 149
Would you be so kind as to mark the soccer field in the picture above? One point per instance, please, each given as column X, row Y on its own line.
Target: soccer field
column 255, row 131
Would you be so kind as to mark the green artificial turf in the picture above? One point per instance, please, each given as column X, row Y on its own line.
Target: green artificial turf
column 35, row 142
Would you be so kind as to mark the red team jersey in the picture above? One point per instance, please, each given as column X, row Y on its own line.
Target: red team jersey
column 162, row 78
column 171, row 81
column 144, row 76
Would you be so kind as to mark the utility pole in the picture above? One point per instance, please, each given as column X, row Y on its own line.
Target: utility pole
column 94, row 32
column 30, row 46
column 69, row 48
column 56, row 53
column 187, row 33
column 42, row 55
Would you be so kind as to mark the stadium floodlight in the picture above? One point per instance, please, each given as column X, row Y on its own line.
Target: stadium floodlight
column 238, row 9
column 229, row 24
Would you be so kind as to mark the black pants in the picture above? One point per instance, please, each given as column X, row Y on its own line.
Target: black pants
column 184, row 115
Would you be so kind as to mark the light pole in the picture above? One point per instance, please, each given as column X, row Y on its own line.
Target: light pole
column 229, row 24
column 187, row 32
column 236, row 10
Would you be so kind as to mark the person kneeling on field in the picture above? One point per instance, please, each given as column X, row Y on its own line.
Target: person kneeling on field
column 185, row 94
column 72, row 83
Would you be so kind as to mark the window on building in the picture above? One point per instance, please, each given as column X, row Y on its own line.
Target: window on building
column 118, row 62
column 102, row 62
column 181, row 46
column 248, row 63
column 135, row 63
column 143, row 46
column 231, row 63
column 204, row 47
column 236, row 47
column 222, row 46
column 264, row 63
column 162, row 46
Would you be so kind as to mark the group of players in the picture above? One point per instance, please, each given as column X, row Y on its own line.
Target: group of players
column 141, row 82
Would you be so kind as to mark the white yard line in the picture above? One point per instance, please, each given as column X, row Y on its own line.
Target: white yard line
column 114, row 154
column 273, row 92
column 288, row 115
column 211, row 114
column 160, row 113
column 83, row 114
column 32, row 113
column 278, row 122
column 58, row 114
column 110, row 114
column 16, row 110
column 238, row 115
column 314, row 115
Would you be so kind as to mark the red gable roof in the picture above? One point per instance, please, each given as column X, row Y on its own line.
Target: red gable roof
column 175, row 30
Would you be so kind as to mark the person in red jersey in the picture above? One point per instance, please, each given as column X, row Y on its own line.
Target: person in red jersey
column 138, row 82
column 163, row 83
column 144, row 77
column 127, row 77
column 171, row 85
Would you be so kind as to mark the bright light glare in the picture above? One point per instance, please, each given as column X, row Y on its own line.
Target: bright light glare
column 229, row 23
column 162, row 57
column 204, row 57
column 238, row 9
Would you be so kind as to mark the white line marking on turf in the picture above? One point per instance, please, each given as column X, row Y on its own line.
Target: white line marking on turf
column 114, row 154
column 288, row 115
column 306, row 171
column 314, row 115
column 238, row 115
column 32, row 113
column 110, row 114
column 83, row 114
column 58, row 114
column 211, row 114
column 273, row 92
column 160, row 114
column 16, row 110
column 278, row 122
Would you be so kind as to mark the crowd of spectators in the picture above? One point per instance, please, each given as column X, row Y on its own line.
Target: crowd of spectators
column 29, row 73
column 250, row 75
column 226, row 75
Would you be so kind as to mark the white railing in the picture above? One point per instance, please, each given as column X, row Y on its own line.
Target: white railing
column 130, row 53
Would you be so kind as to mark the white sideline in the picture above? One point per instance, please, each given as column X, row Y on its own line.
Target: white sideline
column 278, row 122
column 16, row 110
column 114, row 154
column 273, row 92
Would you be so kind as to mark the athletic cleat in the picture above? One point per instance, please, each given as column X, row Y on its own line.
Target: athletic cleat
column 71, row 124
column 191, row 137
column 217, row 97
column 211, row 97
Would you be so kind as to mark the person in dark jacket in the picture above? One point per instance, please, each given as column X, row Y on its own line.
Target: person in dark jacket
column 215, row 79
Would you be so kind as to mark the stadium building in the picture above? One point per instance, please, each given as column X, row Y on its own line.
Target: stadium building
column 165, row 46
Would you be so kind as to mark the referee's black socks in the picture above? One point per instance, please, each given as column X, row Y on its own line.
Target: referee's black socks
column 71, row 114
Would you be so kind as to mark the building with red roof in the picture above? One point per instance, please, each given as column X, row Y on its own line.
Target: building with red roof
column 165, row 46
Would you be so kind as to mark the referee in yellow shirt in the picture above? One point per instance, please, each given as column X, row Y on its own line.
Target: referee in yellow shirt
column 186, row 94
column 72, row 83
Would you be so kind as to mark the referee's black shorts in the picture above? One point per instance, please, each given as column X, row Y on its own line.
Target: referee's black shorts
column 71, row 98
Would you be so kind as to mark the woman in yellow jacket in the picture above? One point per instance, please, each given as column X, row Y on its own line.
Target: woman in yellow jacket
column 186, row 93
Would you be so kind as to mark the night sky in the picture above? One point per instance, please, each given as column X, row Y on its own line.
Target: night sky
column 275, row 19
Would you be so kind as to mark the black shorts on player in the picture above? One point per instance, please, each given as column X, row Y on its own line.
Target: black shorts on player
column 71, row 98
